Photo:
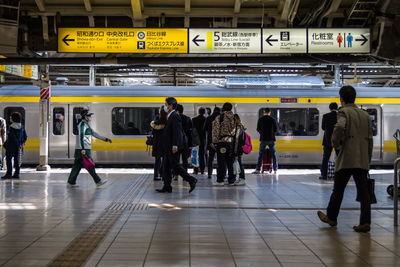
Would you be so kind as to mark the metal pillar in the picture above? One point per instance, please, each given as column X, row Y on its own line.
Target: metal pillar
column 92, row 75
column 337, row 81
column 44, row 109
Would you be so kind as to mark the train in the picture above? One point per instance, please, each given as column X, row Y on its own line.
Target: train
column 124, row 113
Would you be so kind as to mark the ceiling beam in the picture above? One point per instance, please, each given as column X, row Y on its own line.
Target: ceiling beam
column 187, row 6
column 88, row 5
column 137, row 9
column 285, row 13
column 40, row 5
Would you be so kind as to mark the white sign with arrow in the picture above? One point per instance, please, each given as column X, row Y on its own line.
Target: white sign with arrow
column 339, row 40
column 225, row 41
column 284, row 41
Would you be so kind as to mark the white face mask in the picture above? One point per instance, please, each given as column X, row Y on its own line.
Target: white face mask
column 166, row 108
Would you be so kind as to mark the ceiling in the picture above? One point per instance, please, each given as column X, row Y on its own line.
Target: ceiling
column 36, row 22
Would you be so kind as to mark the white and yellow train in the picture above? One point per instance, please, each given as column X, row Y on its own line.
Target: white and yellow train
column 124, row 113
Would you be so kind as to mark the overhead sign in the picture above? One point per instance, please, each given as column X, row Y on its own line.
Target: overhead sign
column 122, row 40
column 339, row 40
column 233, row 41
column 284, row 41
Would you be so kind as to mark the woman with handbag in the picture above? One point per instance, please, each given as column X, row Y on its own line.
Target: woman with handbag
column 83, row 157
column 157, row 129
column 16, row 138
column 237, row 149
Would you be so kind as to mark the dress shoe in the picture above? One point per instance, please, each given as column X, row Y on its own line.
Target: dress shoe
column 7, row 176
column 209, row 176
column 323, row 177
column 192, row 183
column 157, row 178
column 15, row 176
column 164, row 190
column 362, row 228
column 324, row 218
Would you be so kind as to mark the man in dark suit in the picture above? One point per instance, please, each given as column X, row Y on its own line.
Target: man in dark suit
column 198, row 123
column 173, row 141
column 328, row 123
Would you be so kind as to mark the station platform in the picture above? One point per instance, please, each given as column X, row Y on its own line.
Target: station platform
column 271, row 221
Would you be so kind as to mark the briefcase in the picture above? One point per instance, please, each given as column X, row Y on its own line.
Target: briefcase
column 371, row 190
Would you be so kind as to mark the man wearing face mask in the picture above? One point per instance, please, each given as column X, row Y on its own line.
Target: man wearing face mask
column 83, row 148
column 174, row 142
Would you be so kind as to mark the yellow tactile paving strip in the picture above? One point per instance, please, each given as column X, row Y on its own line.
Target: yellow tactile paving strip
column 80, row 249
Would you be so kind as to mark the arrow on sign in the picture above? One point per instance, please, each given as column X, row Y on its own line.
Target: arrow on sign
column 363, row 40
column 269, row 40
column 195, row 40
column 65, row 40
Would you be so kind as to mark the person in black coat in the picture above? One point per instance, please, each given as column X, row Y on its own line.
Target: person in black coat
column 173, row 141
column 198, row 123
column 16, row 139
column 328, row 124
column 157, row 152
column 187, row 129
column 208, row 131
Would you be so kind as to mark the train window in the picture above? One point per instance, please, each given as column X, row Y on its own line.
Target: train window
column 10, row 110
column 76, row 119
column 132, row 121
column 295, row 121
column 373, row 114
column 58, row 121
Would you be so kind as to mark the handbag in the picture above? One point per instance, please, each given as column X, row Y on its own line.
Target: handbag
column 87, row 162
column 236, row 167
column 371, row 190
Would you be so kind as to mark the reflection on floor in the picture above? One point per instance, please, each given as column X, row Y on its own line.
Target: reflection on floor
column 269, row 222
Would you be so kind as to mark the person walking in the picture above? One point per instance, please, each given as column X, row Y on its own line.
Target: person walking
column 187, row 130
column 223, row 132
column 352, row 136
column 267, row 128
column 198, row 124
column 239, row 141
column 328, row 123
column 83, row 148
column 157, row 151
column 3, row 131
column 16, row 138
column 208, row 130
column 173, row 141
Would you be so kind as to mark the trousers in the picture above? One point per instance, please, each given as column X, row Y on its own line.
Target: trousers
column 171, row 164
column 78, row 165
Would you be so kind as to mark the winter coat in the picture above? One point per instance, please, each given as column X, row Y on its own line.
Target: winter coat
column 240, row 139
column 224, row 131
column 158, row 127
column 267, row 128
column 16, row 138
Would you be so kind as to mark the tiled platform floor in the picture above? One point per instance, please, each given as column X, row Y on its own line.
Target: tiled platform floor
column 269, row 222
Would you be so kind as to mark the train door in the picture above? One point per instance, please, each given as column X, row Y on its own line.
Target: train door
column 58, row 133
column 375, row 113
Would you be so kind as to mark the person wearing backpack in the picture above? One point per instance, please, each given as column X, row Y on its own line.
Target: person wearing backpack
column 240, row 139
column 16, row 138
column 223, row 133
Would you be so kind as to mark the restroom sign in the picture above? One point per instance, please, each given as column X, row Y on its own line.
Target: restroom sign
column 347, row 40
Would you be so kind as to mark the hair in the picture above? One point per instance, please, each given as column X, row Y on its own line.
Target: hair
column 217, row 109
column 267, row 110
column 16, row 117
column 333, row 106
column 163, row 116
column 227, row 107
column 237, row 120
column 179, row 108
column 202, row 111
column 208, row 111
column 348, row 94
column 171, row 101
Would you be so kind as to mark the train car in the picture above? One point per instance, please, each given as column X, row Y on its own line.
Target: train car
column 124, row 113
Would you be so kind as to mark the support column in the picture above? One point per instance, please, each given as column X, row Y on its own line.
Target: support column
column 44, row 111
column 337, row 81
column 92, row 75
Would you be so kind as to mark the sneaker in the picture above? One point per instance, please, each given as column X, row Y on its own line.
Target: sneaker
column 226, row 182
column 240, row 182
column 103, row 181
column 72, row 185
column 175, row 177
column 218, row 184
column 256, row 172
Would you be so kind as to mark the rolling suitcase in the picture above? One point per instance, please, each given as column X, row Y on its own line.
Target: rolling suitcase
column 267, row 161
